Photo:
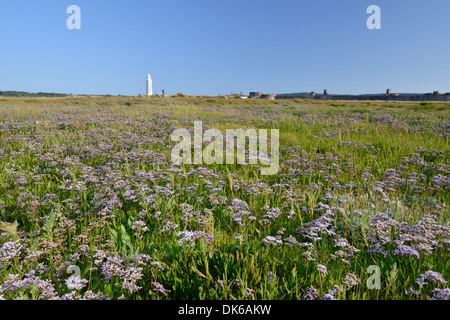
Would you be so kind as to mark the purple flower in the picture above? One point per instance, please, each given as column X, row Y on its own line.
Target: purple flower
column 322, row 269
column 431, row 276
column 249, row 293
column 274, row 241
column 406, row 250
column 189, row 237
column 158, row 287
column 441, row 294
column 311, row 293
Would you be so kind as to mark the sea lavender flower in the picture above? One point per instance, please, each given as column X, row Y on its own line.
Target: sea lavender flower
column 11, row 283
column 273, row 213
column 351, row 280
column 10, row 250
column 138, row 225
column 159, row 288
column 239, row 237
column 322, row 269
column 335, row 291
column 291, row 214
column 131, row 286
column 274, row 241
column 412, row 291
column 238, row 217
column 406, row 250
column 46, row 290
column 112, row 267
column 75, row 257
column 89, row 295
column 307, row 255
column 291, row 242
column 314, row 229
column 311, row 293
column 249, row 293
column 189, row 237
column 431, row 276
column 169, row 225
column 441, row 294
column 71, row 296
column 238, row 205
column 158, row 265
column 340, row 242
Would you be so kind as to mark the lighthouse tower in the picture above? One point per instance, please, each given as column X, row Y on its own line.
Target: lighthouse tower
column 149, row 86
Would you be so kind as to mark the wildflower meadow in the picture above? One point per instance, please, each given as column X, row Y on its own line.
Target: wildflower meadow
column 92, row 206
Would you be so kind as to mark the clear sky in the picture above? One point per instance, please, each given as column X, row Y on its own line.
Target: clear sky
column 215, row 47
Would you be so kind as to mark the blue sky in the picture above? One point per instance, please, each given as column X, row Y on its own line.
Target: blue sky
column 217, row 47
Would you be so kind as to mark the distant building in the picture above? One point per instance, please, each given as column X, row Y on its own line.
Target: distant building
column 262, row 95
column 255, row 95
column 149, row 86
column 270, row 96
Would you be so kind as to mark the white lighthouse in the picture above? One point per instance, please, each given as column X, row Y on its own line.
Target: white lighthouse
column 149, row 86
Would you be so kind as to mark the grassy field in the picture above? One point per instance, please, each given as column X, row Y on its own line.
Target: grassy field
column 91, row 206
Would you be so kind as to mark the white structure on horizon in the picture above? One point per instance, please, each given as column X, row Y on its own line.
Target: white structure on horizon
column 149, row 86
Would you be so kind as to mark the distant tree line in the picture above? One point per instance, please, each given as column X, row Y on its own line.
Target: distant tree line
column 30, row 95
